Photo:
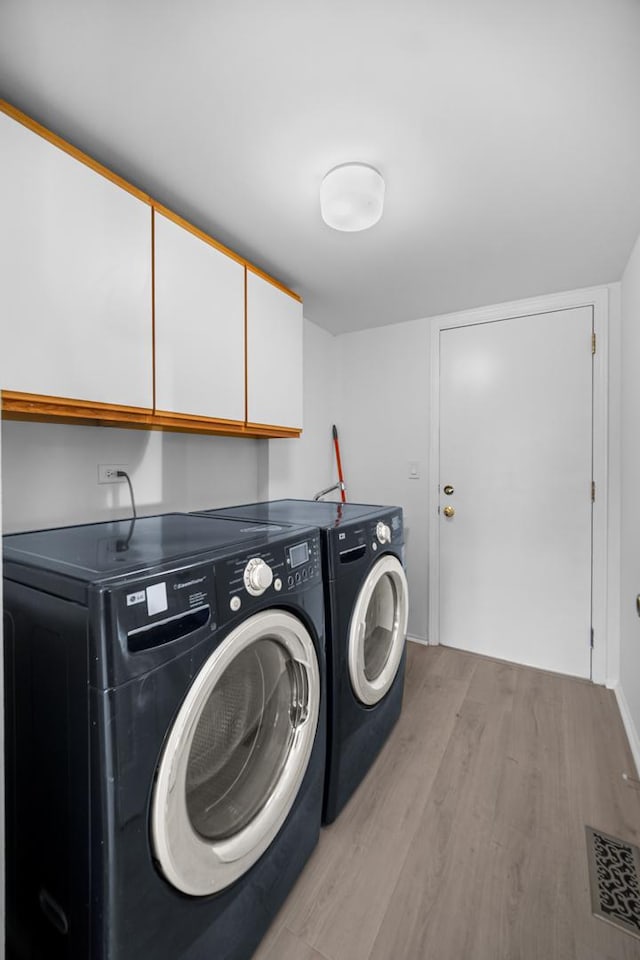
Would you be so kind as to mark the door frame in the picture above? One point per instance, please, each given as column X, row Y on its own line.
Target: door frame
column 598, row 299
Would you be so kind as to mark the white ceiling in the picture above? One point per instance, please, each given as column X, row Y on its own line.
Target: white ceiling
column 508, row 132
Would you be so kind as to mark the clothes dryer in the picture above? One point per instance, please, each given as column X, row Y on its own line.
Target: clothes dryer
column 165, row 730
column 366, row 609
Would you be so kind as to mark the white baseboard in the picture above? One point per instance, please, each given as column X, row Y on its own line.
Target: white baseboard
column 422, row 640
column 629, row 726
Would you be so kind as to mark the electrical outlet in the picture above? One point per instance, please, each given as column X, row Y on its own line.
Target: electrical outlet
column 108, row 472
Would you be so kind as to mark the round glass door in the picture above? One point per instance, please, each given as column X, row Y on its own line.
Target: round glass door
column 236, row 754
column 378, row 629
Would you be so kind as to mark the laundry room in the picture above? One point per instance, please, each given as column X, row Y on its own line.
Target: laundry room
column 319, row 336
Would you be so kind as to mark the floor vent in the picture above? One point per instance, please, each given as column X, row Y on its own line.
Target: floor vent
column 614, row 870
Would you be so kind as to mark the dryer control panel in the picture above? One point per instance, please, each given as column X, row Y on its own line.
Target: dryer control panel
column 358, row 541
column 385, row 530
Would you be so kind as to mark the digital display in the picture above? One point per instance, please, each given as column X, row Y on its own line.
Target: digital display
column 298, row 554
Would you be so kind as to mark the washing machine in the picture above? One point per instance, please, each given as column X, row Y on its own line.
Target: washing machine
column 165, row 735
column 366, row 609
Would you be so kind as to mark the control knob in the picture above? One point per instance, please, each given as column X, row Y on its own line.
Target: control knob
column 258, row 576
column 383, row 532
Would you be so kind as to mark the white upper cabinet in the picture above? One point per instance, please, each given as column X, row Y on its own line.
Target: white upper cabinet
column 199, row 325
column 75, row 277
column 274, row 355
column 107, row 298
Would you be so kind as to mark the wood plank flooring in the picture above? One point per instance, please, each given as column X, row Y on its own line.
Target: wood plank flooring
column 466, row 840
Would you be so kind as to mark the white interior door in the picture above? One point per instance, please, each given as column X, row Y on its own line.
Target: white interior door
column 516, row 447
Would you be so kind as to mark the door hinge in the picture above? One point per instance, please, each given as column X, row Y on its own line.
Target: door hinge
column 593, row 343
column 591, row 636
column 593, row 491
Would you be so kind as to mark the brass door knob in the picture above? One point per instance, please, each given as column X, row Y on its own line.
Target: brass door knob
column 448, row 511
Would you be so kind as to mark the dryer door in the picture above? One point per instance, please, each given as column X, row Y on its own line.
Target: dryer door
column 236, row 755
column 378, row 629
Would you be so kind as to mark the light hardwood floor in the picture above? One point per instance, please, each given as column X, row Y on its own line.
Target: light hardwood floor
column 466, row 840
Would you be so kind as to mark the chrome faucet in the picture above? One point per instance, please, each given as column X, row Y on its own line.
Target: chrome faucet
column 336, row 486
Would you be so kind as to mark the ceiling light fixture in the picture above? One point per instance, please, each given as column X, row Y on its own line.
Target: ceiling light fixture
column 352, row 197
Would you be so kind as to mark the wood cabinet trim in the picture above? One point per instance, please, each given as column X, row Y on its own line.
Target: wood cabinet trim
column 184, row 423
column 35, row 407
column 273, row 430
column 167, row 415
column 14, row 400
column 74, row 152
column 276, row 283
column 181, row 222
column 246, row 351
column 153, row 307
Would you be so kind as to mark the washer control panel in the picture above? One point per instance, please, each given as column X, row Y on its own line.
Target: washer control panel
column 258, row 576
column 302, row 562
column 270, row 571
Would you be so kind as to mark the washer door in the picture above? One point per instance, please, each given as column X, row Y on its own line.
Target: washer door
column 237, row 753
column 378, row 629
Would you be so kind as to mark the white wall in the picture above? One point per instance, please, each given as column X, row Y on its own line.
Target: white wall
column 374, row 386
column 300, row 468
column 384, row 425
column 629, row 690
column 49, row 472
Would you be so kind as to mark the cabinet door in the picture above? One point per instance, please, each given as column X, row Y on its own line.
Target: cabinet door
column 274, row 355
column 75, row 277
column 199, row 322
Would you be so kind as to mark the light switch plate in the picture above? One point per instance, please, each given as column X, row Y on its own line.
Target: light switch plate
column 414, row 470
